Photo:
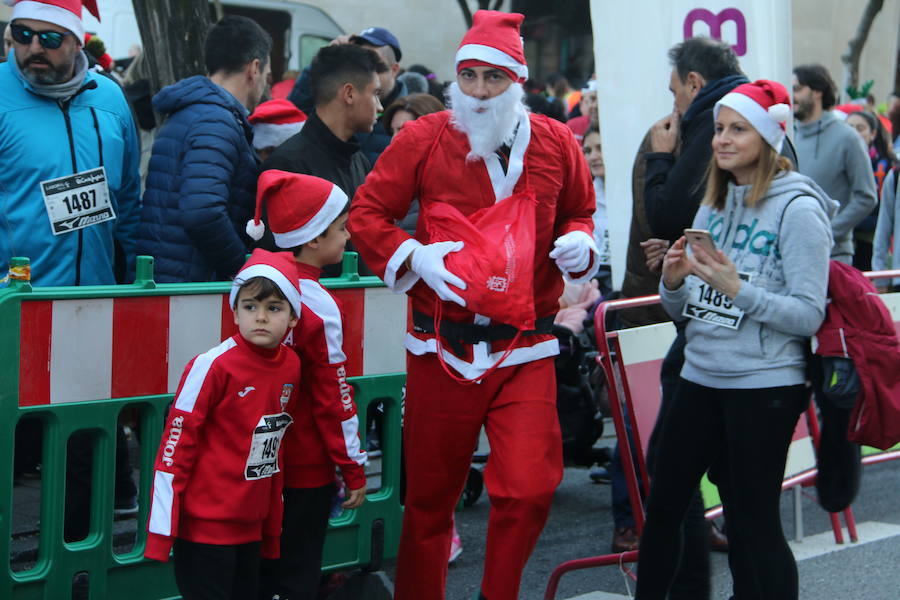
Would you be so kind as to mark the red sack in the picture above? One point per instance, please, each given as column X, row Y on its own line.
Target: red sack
column 497, row 258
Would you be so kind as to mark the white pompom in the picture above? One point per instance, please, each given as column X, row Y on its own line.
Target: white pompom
column 254, row 230
column 780, row 112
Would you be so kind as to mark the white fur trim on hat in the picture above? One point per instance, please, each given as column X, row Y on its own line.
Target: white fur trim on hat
column 39, row 11
column 316, row 226
column 491, row 56
column 272, row 135
column 271, row 273
column 759, row 117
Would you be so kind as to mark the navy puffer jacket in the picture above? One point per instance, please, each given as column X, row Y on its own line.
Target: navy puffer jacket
column 201, row 184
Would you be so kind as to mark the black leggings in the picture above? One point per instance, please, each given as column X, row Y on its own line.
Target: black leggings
column 742, row 438
column 213, row 572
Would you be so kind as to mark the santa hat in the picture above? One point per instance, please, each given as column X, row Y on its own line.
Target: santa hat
column 299, row 207
column 65, row 13
column 274, row 122
column 765, row 104
column 278, row 267
column 98, row 51
column 494, row 41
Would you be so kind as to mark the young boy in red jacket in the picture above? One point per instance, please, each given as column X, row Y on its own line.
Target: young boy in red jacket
column 308, row 215
column 217, row 483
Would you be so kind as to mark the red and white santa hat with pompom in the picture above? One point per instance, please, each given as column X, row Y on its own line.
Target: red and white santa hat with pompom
column 299, row 207
column 765, row 104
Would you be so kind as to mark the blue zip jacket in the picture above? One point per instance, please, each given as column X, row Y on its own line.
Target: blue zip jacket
column 201, row 185
column 36, row 145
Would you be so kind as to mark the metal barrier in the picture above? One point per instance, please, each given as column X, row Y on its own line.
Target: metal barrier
column 75, row 357
column 631, row 359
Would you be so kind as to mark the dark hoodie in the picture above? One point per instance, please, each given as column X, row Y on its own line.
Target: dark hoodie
column 201, row 184
column 674, row 185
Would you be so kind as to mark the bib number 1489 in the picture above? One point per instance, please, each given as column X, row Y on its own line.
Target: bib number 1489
column 715, row 298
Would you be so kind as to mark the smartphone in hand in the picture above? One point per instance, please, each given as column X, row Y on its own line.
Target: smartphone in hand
column 702, row 238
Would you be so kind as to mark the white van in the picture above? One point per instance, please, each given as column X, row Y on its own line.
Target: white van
column 298, row 30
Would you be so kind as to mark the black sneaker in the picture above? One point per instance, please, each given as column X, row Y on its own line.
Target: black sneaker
column 600, row 475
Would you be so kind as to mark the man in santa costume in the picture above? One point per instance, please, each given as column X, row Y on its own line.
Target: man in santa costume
column 482, row 151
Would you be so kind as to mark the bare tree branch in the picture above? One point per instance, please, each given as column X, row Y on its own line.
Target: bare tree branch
column 466, row 11
column 850, row 58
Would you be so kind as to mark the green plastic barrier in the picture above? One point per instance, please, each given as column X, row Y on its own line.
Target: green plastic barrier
column 357, row 539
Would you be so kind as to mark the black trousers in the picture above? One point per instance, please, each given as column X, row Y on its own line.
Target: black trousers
column 212, row 572
column 296, row 575
column 742, row 438
column 79, row 480
column 692, row 577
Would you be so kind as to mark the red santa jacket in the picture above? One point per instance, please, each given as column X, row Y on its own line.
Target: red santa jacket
column 217, row 478
column 859, row 326
column 325, row 432
column 426, row 160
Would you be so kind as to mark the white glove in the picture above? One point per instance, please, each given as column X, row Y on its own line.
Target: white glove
column 572, row 252
column 428, row 263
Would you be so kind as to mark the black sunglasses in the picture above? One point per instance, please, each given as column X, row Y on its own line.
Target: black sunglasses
column 50, row 40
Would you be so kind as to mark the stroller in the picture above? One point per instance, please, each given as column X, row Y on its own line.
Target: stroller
column 581, row 397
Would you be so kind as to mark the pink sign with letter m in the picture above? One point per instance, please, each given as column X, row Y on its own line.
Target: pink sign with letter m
column 715, row 22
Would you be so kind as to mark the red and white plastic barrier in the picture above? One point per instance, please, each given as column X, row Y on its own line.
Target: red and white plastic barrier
column 95, row 349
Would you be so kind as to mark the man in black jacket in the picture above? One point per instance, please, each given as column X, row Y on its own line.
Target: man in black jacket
column 387, row 47
column 703, row 70
column 346, row 87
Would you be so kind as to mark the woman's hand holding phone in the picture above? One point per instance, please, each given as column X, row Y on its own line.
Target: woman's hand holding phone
column 711, row 264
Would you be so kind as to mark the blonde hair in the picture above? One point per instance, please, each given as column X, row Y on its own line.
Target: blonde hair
column 769, row 166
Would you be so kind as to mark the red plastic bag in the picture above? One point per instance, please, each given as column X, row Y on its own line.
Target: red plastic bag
column 497, row 259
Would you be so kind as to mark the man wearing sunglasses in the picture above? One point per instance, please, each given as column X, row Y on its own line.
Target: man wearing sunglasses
column 69, row 181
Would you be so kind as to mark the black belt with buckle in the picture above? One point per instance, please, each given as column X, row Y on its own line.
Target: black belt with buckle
column 458, row 334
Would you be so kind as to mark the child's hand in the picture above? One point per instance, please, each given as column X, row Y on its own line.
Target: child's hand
column 355, row 499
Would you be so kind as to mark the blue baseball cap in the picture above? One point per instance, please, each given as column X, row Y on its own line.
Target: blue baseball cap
column 378, row 36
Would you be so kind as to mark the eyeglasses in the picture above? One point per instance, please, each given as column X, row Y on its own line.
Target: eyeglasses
column 51, row 40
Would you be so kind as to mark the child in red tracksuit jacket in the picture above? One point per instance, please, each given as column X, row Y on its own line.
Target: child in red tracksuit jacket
column 308, row 215
column 217, row 484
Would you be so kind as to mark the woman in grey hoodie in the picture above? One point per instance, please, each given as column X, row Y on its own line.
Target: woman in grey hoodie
column 751, row 303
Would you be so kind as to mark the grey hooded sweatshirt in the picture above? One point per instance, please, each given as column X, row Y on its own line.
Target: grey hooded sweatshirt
column 783, row 243
column 834, row 156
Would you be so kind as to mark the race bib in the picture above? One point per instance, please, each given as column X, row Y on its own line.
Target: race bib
column 77, row 201
column 707, row 304
column 263, row 459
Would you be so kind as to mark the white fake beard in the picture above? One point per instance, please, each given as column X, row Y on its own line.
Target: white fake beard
column 489, row 130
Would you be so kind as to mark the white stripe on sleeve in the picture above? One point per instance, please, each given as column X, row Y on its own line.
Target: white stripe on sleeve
column 193, row 383
column 319, row 301
column 161, row 508
column 351, row 440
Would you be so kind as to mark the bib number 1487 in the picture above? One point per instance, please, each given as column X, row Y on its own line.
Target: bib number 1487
column 85, row 200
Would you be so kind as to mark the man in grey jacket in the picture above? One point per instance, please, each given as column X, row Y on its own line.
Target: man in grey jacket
column 831, row 155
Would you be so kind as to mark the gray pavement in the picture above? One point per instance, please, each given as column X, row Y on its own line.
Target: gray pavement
column 580, row 525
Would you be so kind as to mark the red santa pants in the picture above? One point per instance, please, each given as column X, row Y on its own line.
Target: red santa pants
column 517, row 406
